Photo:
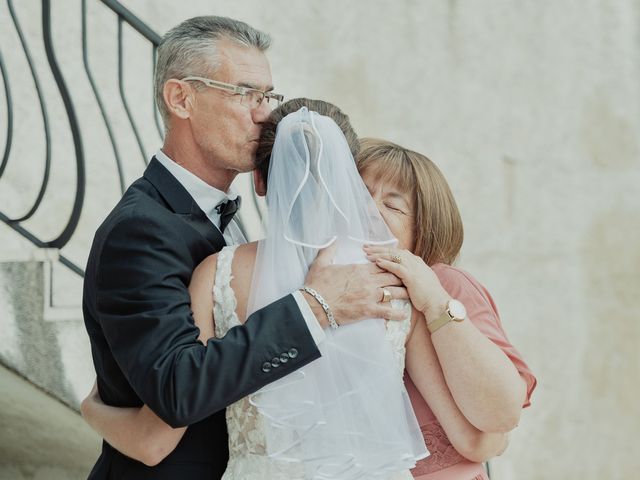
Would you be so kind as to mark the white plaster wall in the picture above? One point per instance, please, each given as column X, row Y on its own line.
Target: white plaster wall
column 531, row 109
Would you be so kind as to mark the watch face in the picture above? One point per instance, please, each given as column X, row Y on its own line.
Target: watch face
column 457, row 310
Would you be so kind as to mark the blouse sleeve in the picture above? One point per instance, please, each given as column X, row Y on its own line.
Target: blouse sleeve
column 483, row 313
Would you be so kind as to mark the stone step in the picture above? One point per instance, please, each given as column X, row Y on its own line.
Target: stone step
column 45, row 343
column 40, row 437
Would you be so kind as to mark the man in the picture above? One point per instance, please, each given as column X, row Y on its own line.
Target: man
column 213, row 88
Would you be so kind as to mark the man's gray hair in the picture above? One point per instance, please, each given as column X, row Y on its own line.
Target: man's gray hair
column 190, row 49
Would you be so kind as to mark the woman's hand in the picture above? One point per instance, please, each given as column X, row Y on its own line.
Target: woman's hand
column 137, row 432
column 425, row 291
column 93, row 397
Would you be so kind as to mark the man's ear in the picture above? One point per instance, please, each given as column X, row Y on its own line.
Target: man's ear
column 259, row 185
column 178, row 98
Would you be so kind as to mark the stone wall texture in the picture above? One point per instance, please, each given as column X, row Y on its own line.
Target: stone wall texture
column 532, row 111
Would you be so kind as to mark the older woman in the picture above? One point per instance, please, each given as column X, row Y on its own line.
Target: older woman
column 471, row 382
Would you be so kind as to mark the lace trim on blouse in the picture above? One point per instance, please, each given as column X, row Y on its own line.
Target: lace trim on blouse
column 443, row 455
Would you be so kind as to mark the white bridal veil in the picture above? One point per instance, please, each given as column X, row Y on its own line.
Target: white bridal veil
column 347, row 414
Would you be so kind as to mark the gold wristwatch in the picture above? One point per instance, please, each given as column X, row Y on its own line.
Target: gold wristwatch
column 455, row 311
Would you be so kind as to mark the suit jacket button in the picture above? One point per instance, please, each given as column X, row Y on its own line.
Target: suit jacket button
column 275, row 362
column 266, row 367
column 284, row 358
column 293, row 353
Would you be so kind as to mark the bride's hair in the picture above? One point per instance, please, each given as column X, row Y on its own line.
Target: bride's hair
column 268, row 134
column 438, row 225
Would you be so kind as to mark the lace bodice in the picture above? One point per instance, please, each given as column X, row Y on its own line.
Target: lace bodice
column 442, row 454
column 247, row 445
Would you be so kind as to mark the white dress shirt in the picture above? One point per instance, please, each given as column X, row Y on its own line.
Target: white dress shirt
column 207, row 198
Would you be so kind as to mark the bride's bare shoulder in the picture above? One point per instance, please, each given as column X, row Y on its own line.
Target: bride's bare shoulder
column 245, row 255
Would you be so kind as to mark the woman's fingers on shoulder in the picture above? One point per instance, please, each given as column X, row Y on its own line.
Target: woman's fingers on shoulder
column 374, row 249
column 393, row 267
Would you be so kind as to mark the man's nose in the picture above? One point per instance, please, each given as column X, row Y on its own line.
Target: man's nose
column 262, row 112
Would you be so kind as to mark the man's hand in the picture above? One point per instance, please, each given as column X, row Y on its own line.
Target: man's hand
column 353, row 292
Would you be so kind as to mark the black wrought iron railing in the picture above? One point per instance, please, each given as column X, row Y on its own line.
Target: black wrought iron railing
column 61, row 231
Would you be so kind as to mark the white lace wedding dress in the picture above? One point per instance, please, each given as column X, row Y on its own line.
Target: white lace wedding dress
column 247, row 448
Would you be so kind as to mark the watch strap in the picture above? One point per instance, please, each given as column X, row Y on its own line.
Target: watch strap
column 439, row 322
column 454, row 311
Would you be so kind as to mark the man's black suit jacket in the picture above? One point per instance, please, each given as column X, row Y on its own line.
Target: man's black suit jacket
column 143, row 339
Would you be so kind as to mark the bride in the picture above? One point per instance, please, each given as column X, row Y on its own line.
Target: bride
column 321, row 422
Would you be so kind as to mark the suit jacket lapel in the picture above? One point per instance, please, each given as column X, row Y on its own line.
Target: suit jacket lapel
column 182, row 203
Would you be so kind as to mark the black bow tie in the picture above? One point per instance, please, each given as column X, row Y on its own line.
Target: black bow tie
column 227, row 210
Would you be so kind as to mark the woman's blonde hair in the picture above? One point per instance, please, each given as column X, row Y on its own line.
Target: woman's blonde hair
column 437, row 222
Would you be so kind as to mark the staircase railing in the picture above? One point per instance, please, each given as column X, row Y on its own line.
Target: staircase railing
column 61, row 231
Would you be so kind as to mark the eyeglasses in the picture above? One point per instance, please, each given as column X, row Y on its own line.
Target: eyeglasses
column 249, row 97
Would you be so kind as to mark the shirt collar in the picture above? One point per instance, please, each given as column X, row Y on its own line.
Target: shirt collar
column 206, row 196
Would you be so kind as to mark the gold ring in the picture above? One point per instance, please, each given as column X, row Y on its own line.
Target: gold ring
column 396, row 258
column 386, row 295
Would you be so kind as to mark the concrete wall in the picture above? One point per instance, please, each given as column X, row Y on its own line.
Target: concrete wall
column 531, row 109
